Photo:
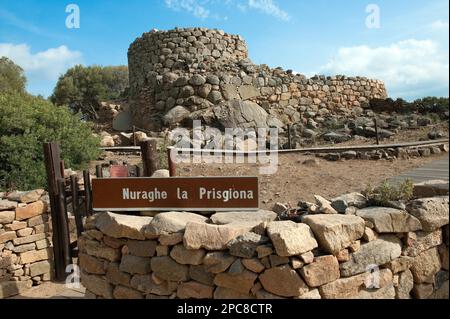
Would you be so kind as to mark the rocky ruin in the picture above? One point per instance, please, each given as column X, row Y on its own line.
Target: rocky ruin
column 343, row 249
column 182, row 75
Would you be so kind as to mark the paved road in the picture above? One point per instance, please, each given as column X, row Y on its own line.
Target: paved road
column 434, row 170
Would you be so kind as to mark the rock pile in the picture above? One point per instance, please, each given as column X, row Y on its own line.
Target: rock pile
column 373, row 253
column 387, row 154
column 180, row 75
column 25, row 245
column 108, row 111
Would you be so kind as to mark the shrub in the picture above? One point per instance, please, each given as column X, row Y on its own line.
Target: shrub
column 26, row 122
column 12, row 77
column 386, row 193
column 83, row 88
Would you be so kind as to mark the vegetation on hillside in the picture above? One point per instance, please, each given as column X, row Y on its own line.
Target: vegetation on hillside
column 26, row 122
column 83, row 88
column 12, row 77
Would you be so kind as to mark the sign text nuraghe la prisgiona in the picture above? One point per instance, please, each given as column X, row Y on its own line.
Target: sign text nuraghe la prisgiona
column 203, row 194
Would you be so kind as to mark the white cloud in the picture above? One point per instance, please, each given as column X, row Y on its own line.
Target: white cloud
column 202, row 9
column 269, row 7
column 192, row 6
column 439, row 25
column 409, row 68
column 44, row 66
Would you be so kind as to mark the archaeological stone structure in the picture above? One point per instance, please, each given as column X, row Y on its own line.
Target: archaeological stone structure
column 344, row 248
column 25, row 241
column 182, row 75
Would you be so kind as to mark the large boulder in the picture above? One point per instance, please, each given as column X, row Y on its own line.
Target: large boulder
column 7, row 216
column 290, row 239
column 187, row 257
column 390, row 220
column 432, row 212
column 335, row 232
column 426, row 265
column 283, row 281
column 170, row 223
column 374, row 253
column 241, row 282
column 241, row 114
column 168, row 269
column 7, row 204
column 323, row 270
column 245, row 245
column 213, row 237
column 122, row 226
column 423, row 241
column 243, row 217
column 405, row 285
column 176, row 115
column 356, row 287
column 341, row 203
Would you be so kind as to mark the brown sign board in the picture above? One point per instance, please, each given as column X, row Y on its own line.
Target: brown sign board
column 175, row 193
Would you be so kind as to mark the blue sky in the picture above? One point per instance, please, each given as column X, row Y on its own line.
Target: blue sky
column 409, row 50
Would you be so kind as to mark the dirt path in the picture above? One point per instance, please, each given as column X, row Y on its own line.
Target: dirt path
column 296, row 180
column 52, row 290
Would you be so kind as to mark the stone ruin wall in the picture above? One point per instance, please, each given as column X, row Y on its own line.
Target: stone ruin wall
column 248, row 255
column 25, row 241
column 194, row 70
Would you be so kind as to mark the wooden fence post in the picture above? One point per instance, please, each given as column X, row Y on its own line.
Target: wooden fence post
column 53, row 169
column 149, row 157
column 64, row 223
column 87, row 192
column 99, row 171
column 376, row 131
column 171, row 163
column 75, row 204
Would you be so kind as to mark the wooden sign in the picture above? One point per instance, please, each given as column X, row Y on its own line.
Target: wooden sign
column 176, row 193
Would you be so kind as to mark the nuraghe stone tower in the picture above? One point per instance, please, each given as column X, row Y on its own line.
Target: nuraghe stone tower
column 181, row 75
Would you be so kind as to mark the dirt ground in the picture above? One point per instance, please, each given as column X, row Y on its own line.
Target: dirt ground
column 296, row 180
column 52, row 290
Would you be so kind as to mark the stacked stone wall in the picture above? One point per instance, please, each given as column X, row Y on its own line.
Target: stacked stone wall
column 25, row 242
column 341, row 249
column 183, row 74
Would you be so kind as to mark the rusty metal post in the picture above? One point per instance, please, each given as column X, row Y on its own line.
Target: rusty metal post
column 289, row 137
column 171, row 163
column 376, row 131
column 149, row 154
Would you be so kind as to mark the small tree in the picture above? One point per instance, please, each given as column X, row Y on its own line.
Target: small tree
column 12, row 77
column 83, row 88
column 26, row 122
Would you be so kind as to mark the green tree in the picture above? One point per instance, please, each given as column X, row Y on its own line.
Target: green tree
column 83, row 88
column 26, row 122
column 12, row 77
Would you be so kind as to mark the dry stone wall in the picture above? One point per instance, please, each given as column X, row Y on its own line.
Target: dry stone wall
column 180, row 75
column 25, row 243
column 247, row 255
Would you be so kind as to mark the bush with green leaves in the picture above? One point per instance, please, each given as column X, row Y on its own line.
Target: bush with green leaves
column 387, row 193
column 12, row 77
column 83, row 88
column 26, row 122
